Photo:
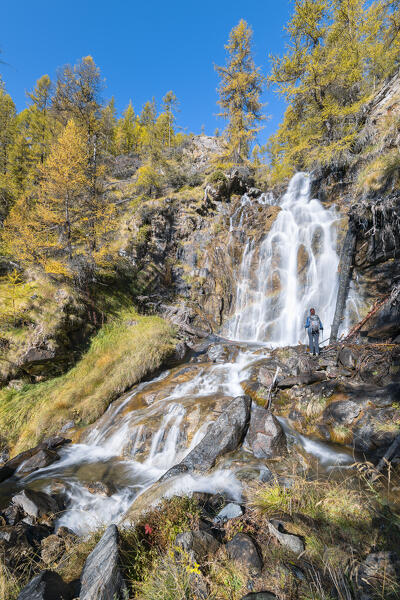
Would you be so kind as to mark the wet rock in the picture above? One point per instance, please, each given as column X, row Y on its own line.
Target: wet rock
column 224, row 435
column 35, row 504
column 48, row 585
column 200, row 545
column 259, row 596
column 52, row 548
column 343, row 412
column 41, row 459
column 105, row 582
column 100, row 487
column 379, row 571
column 230, row 511
column 293, row 542
column 243, row 550
column 348, row 358
column 265, row 436
column 11, row 466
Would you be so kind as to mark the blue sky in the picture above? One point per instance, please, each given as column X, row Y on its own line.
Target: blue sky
column 143, row 48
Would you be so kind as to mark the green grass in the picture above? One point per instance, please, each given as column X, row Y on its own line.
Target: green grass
column 121, row 354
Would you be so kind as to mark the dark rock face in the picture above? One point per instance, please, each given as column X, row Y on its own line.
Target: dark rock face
column 265, row 435
column 101, row 577
column 35, row 504
column 222, row 436
column 48, row 585
column 243, row 550
column 386, row 322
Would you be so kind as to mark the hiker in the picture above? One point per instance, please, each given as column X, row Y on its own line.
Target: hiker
column 313, row 325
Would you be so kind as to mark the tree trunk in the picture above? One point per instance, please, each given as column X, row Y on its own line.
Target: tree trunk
column 345, row 274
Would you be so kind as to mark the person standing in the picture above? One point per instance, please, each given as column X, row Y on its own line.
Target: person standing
column 313, row 325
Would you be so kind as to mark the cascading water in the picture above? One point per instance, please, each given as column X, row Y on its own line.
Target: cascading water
column 153, row 427
column 294, row 268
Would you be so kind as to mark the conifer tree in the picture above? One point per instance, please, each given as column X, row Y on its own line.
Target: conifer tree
column 170, row 105
column 241, row 84
column 337, row 53
column 46, row 229
column 108, row 125
column 129, row 131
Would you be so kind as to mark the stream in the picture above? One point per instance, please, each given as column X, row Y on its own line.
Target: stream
column 151, row 428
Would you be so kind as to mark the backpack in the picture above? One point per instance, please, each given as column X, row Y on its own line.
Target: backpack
column 314, row 323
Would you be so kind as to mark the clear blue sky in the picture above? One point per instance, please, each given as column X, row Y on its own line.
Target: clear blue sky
column 143, row 48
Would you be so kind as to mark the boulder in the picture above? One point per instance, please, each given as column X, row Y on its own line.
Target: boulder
column 41, row 459
column 224, row 435
column 293, row 542
column 302, row 379
column 343, row 412
column 243, row 550
column 200, row 545
column 35, row 504
column 101, row 577
column 48, row 585
column 348, row 357
column 265, row 436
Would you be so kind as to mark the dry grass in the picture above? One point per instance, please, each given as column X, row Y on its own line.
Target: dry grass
column 9, row 584
column 121, row 354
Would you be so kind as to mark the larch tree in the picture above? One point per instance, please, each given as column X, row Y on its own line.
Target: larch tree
column 128, row 132
column 336, row 55
column 240, row 89
column 46, row 229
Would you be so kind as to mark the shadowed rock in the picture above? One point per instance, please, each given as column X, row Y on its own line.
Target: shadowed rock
column 198, row 544
column 35, row 504
column 223, row 436
column 48, row 585
column 302, row 379
column 243, row 550
column 101, row 577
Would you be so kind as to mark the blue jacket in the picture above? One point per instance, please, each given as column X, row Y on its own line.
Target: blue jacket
column 308, row 324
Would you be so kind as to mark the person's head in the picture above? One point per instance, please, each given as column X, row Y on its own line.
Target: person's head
column 312, row 311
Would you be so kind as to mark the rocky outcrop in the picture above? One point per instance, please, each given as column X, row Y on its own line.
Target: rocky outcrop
column 223, row 436
column 101, row 577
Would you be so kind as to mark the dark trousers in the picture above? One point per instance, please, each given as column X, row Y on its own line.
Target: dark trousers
column 314, row 341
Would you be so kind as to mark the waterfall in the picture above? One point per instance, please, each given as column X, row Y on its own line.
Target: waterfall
column 293, row 269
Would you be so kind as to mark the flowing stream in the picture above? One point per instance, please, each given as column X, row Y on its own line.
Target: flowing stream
column 153, row 427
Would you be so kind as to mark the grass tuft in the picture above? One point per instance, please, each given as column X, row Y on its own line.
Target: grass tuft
column 121, row 354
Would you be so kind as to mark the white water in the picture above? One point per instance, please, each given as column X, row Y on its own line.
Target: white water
column 133, row 445
column 294, row 269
